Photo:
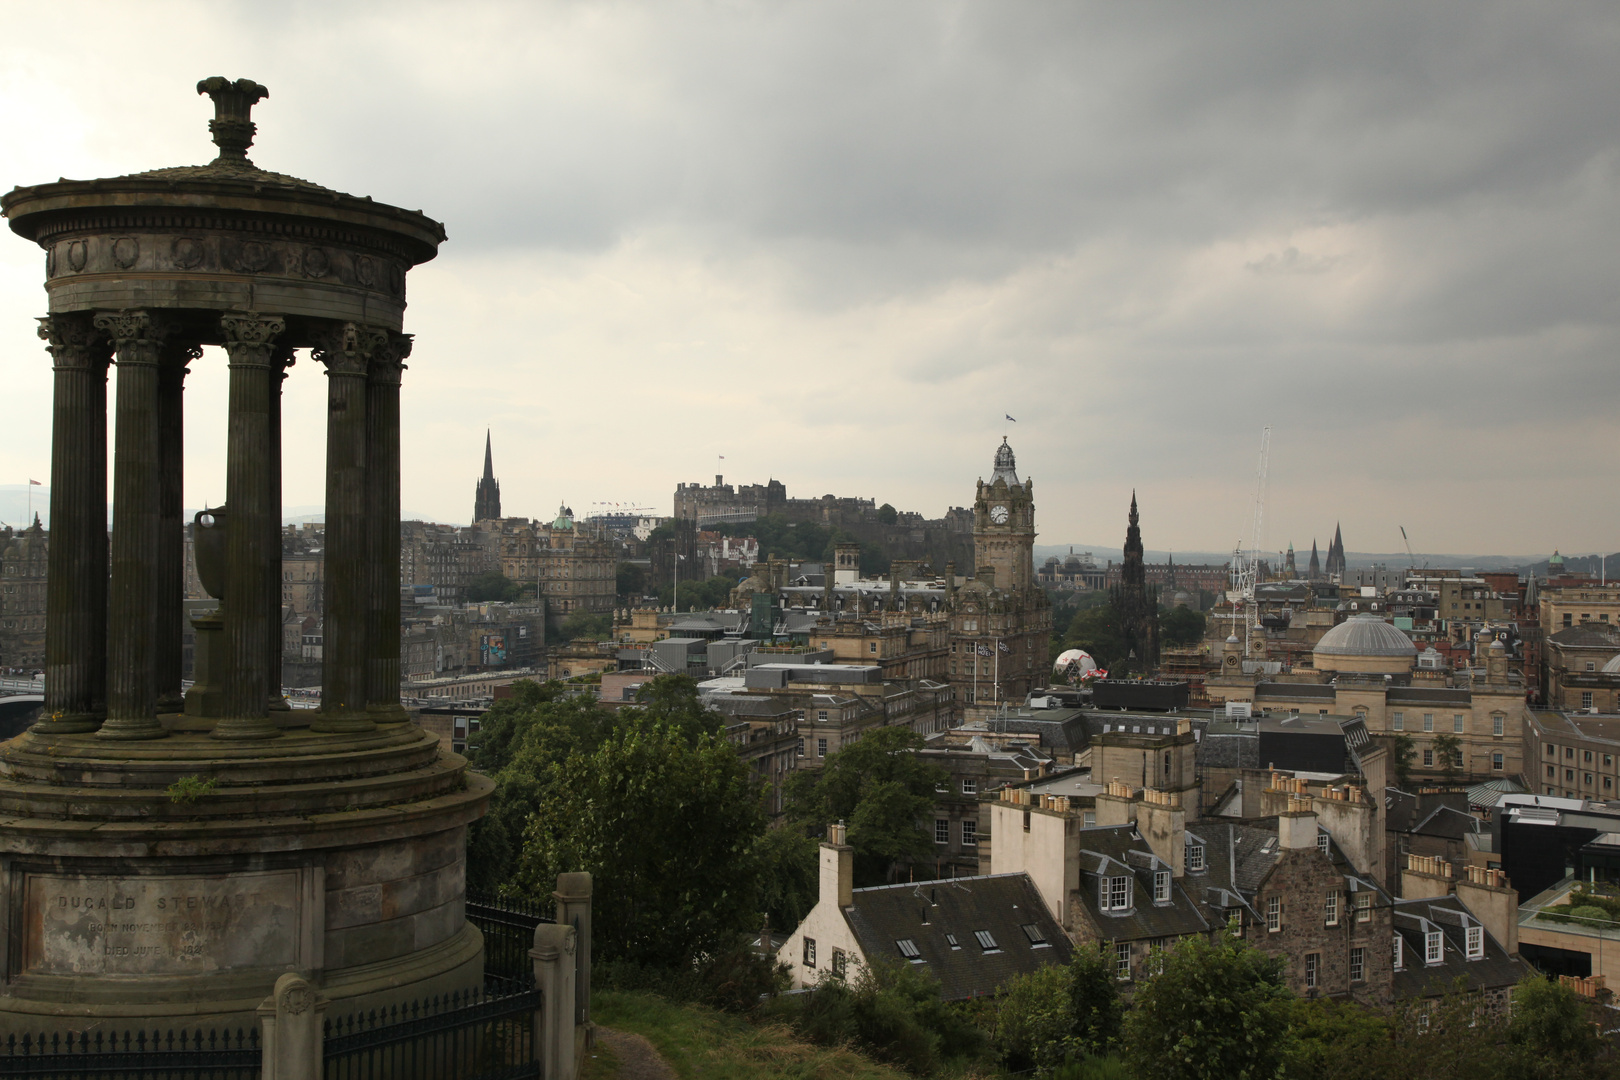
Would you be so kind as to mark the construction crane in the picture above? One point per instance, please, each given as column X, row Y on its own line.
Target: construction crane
column 1411, row 559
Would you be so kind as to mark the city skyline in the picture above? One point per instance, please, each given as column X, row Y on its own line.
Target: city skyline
column 841, row 260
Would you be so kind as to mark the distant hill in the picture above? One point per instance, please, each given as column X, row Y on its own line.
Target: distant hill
column 1357, row 559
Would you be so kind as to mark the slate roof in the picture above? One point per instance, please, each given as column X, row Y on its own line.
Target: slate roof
column 1448, row 821
column 1269, row 691
column 1405, row 812
column 1239, row 856
column 1427, row 695
column 1584, row 637
column 1416, row 979
column 927, row 914
column 1113, row 851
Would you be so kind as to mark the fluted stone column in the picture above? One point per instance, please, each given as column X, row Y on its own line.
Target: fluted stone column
column 170, row 598
column 382, row 529
column 346, row 351
column 76, row 589
column 282, row 360
column 253, row 524
column 132, row 615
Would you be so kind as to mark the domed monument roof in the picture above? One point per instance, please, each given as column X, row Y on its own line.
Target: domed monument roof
column 1365, row 635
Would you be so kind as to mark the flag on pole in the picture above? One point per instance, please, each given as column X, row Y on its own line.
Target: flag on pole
column 36, row 483
column 1013, row 419
column 984, row 650
column 1002, row 645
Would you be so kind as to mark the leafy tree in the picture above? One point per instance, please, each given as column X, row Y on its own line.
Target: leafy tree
column 883, row 790
column 1094, row 999
column 1181, row 626
column 1059, row 1013
column 789, row 875
column 586, row 624
column 667, row 828
column 1552, row 1036
column 1097, row 630
column 492, row 586
column 630, row 581
column 519, row 744
column 1217, row 1010
column 1336, row 1040
column 1035, row 1019
column 673, row 700
column 1448, row 755
column 1401, row 755
column 700, row 595
column 887, row 514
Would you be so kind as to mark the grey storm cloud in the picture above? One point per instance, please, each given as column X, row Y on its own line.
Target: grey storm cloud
column 861, row 233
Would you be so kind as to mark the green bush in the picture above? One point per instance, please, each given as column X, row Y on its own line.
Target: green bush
column 893, row 1012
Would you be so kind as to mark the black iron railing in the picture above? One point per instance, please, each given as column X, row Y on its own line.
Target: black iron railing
column 508, row 927
column 477, row 1035
column 134, row 1055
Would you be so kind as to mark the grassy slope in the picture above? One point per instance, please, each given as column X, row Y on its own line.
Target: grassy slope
column 699, row 1042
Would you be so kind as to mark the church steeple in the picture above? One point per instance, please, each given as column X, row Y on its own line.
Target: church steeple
column 487, row 498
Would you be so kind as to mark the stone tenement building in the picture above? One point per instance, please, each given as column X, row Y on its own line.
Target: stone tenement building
column 443, row 557
column 23, row 559
column 572, row 566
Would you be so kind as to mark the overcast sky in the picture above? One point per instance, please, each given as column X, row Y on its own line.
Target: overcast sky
column 838, row 242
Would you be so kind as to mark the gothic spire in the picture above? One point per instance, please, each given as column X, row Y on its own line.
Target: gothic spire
column 487, row 497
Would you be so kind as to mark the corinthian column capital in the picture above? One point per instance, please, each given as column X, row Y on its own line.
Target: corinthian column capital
column 388, row 359
column 347, row 348
column 74, row 342
column 137, row 336
column 250, row 337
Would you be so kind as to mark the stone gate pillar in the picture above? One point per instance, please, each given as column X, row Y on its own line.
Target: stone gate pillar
column 76, row 589
column 345, row 649
column 382, row 529
column 132, row 619
column 253, row 525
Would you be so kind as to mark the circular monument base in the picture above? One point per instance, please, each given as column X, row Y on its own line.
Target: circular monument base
column 169, row 883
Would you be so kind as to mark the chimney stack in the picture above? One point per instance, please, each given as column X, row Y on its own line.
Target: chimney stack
column 1494, row 902
column 1163, row 824
column 1296, row 827
column 837, row 868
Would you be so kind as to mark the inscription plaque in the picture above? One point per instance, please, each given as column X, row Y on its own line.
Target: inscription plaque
column 79, row 924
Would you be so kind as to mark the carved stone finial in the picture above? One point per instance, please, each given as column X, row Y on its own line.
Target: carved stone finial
column 232, row 125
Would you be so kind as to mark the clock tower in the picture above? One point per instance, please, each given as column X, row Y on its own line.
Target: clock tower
column 1004, row 526
column 1001, row 620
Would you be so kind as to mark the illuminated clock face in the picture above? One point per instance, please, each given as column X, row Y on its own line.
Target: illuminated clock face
column 998, row 514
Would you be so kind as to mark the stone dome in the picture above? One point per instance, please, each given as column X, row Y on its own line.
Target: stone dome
column 1365, row 635
column 1613, row 666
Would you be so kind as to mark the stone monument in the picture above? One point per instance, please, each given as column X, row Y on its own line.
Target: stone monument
column 165, row 860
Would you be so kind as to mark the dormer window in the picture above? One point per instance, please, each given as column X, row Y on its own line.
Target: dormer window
column 1476, row 943
column 1161, row 887
column 1322, row 842
column 1433, row 947
column 1114, row 893
column 1400, row 952
column 1195, row 858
